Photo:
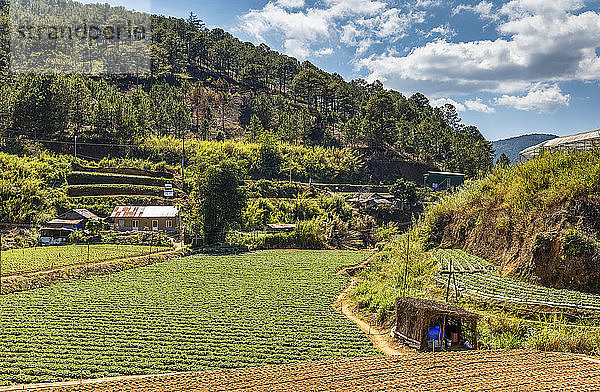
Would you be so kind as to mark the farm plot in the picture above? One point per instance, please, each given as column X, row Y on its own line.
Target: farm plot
column 510, row 370
column 39, row 258
column 195, row 313
column 478, row 278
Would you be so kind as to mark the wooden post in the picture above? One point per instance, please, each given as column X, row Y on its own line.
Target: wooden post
column 449, row 277
column 406, row 265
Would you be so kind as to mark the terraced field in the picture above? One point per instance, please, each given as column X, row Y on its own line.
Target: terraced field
column 479, row 279
column 39, row 258
column 195, row 313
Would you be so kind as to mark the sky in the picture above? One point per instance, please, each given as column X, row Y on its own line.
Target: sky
column 510, row 67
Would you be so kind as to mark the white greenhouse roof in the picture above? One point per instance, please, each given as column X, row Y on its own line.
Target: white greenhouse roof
column 580, row 141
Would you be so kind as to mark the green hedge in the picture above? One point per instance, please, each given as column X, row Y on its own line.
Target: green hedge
column 117, row 189
column 87, row 178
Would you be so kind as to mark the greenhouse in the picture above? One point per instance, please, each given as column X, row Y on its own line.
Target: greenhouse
column 580, row 142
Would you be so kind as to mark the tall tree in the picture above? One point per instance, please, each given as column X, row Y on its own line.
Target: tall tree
column 380, row 118
column 221, row 199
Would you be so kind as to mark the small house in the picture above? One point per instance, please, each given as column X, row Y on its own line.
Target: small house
column 425, row 324
column 146, row 218
column 443, row 180
column 57, row 230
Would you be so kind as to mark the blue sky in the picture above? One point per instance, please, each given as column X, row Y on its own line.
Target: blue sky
column 510, row 67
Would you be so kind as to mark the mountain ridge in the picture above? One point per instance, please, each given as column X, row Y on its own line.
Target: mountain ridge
column 512, row 146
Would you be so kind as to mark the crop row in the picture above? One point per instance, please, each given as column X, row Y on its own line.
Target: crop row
column 498, row 371
column 195, row 313
column 457, row 260
column 477, row 279
column 39, row 258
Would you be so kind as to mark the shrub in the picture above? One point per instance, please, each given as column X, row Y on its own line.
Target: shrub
column 573, row 243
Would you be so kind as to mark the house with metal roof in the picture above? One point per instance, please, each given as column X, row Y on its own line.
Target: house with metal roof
column 146, row 218
column 443, row 180
column 57, row 230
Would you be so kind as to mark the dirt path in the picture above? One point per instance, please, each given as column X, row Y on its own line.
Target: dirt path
column 381, row 339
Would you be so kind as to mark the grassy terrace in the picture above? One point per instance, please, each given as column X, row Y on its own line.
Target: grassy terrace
column 33, row 259
column 193, row 313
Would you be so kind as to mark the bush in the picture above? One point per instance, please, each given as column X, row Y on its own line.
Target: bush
column 319, row 163
column 79, row 178
column 405, row 191
column 117, row 189
column 31, row 187
column 573, row 243
column 274, row 189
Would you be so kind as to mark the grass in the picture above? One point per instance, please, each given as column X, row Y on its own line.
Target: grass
column 531, row 187
column 519, row 193
column 194, row 313
column 33, row 259
column 500, row 328
column 390, row 276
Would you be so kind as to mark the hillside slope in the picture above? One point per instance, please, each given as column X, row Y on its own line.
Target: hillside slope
column 537, row 221
column 220, row 88
column 511, row 147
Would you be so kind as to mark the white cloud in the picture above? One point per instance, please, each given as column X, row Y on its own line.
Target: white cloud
column 428, row 3
column 439, row 102
column 546, row 48
column 305, row 31
column 444, row 31
column 543, row 98
column 291, row 3
column 477, row 105
column 516, row 9
column 324, row 52
column 296, row 48
column 483, row 9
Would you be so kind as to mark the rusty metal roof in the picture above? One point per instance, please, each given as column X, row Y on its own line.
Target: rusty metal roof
column 145, row 212
column 86, row 213
column 64, row 221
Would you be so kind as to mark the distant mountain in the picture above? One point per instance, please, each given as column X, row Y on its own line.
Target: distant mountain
column 512, row 146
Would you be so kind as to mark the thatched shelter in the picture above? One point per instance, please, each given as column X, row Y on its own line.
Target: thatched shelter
column 415, row 317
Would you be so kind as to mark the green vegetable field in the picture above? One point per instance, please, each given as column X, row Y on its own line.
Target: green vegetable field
column 478, row 279
column 33, row 259
column 193, row 313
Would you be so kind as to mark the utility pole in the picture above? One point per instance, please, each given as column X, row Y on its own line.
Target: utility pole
column 449, row 277
column 0, row 263
column 406, row 265
column 75, row 147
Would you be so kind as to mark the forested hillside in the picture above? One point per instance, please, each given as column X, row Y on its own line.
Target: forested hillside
column 207, row 84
